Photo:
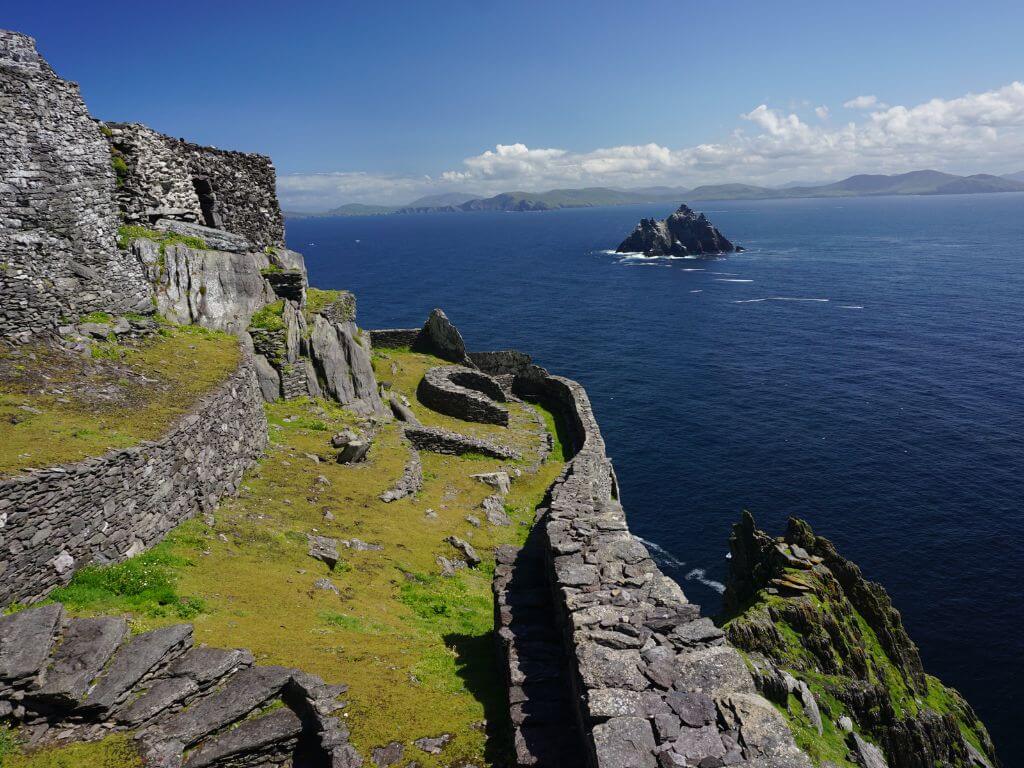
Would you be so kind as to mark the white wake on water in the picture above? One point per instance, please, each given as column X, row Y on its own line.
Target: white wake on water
column 663, row 557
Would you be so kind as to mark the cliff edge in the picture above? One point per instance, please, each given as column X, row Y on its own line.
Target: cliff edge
column 829, row 649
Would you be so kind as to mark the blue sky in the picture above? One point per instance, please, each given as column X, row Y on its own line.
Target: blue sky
column 379, row 101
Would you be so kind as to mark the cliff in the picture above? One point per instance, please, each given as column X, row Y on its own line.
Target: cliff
column 684, row 233
column 830, row 649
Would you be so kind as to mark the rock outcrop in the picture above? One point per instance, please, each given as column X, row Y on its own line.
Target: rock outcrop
column 828, row 645
column 439, row 337
column 684, row 233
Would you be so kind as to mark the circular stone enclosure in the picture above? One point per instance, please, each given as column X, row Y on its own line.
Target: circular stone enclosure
column 464, row 393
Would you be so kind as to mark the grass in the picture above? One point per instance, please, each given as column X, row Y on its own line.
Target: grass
column 103, row 318
column 794, row 657
column 318, row 299
column 270, row 317
column 115, row 751
column 145, row 585
column 57, row 407
column 126, row 233
column 417, row 650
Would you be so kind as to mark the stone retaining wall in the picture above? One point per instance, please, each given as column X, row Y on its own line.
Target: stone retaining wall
column 392, row 338
column 104, row 509
column 650, row 682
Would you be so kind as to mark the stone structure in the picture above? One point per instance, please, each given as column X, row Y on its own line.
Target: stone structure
column 393, row 338
column 452, row 443
column 186, row 706
column 166, row 178
column 104, row 509
column 609, row 643
column 409, row 483
column 463, row 392
column 58, row 218
column 684, row 233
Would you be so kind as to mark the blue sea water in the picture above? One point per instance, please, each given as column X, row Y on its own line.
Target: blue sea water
column 860, row 366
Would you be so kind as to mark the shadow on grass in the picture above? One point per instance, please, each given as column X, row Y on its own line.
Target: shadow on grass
column 476, row 663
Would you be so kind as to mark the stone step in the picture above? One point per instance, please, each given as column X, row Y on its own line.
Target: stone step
column 198, row 669
column 26, row 638
column 83, row 652
column 548, row 746
column 244, row 692
column 266, row 740
column 136, row 659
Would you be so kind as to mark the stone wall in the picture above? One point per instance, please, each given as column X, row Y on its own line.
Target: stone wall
column 58, row 216
column 104, row 509
column 164, row 177
column 393, row 338
column 464, row 393
column 649, row 682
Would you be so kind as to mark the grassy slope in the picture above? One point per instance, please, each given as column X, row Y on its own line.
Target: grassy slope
column 151, row 385
column 799, row 662
column 115, row 751
column 416, row 649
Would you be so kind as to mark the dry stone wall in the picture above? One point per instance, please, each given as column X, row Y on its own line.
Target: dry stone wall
column 53, row 521
column 58, row 216
column 648, row 682
column 164, row 177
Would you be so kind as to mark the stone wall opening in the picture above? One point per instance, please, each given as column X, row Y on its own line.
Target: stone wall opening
column 207, row 202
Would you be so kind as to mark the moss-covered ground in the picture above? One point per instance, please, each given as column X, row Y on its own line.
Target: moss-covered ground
column 416, row 649
column 794, row 657
column 59, row 406
column 116, row 751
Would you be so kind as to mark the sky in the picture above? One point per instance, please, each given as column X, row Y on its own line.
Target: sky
column 381, row 102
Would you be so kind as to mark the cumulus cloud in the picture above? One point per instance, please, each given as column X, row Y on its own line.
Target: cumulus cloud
column 977, row 131
column 863, row 102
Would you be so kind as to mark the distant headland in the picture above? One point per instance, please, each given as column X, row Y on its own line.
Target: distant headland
column 913, row 183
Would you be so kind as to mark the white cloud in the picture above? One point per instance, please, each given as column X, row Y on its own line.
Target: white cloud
column 822, row 112
column 982, row 131
column 864, row 102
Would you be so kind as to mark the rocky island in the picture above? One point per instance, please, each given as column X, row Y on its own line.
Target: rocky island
column 241, row 531
column 684, row 233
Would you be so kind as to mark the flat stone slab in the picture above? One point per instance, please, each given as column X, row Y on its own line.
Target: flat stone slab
column 244, row 692
column 26, row 638
column 134, row 660
column 85, row 650
column 268, row 735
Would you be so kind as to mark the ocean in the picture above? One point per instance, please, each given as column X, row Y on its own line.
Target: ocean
column 860, row 366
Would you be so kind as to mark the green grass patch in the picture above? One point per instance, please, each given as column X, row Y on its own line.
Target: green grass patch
column 56, row 407
column 103, row 318
column 270, row 317
column 115, row 751
column 126, row 233
column 145, row 584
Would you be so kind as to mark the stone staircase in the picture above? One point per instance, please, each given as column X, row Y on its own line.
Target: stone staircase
column 72, row 679
column 546, row 732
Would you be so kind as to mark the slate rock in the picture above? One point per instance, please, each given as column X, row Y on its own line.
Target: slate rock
column 324, row 548
column 243, row 693
column 694, row 709
column 134, row 660
column 683, row 233
column 274, row 733
column 440, row 338
column 499, row 481
column 86, row 648
column 624, row 742
column 26, row 638
column 387, row 755
column 433, row 745
column 463, row 546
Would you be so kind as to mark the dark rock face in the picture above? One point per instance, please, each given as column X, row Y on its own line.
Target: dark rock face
column 684, row 233
column 439, row 337
column 804, row 614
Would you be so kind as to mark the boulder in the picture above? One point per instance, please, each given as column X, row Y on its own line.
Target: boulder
column 343, row 365
column 324, row 549
column 442, row 339
column 684, row 233
column 464, row 547
column 269, row 379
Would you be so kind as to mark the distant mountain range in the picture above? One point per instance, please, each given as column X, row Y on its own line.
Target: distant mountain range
column 913, row 183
